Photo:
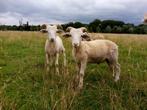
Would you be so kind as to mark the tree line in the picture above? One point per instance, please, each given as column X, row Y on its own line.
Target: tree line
column 105, row 26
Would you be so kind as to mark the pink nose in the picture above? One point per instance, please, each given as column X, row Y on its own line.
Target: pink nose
column 75, row 44
column 52, row 40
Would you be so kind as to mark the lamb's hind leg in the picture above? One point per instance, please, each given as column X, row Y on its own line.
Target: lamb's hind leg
column 111, row 67
column 115, row 68
column 114, row 65
column 57, row 63
column 117, row 71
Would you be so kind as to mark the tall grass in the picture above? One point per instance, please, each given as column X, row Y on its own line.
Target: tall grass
column 25, row 84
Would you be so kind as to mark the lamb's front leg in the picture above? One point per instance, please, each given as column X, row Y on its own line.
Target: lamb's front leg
column 64, row 55
column 76, row 78
column 78, row 66
column 57, row 63
column 81, row 74
column 47, row 62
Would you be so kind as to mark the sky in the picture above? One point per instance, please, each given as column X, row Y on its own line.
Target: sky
column 64, row 11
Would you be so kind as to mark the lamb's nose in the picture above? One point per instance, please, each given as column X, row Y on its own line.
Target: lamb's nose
column 75, row 44
column 52, row 40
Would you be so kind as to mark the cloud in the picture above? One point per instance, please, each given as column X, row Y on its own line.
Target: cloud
column 62, row 11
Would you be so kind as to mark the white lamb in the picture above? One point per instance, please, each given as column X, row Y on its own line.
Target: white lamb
column 53, row 46
column 96, row 51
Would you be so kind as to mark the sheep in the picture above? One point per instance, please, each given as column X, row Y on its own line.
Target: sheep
column 92, row 36
column 53, row 46
column 96, row 51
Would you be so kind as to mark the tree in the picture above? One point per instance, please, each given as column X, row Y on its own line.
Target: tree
column 131, row 30
column 67, row 25
column 125, row 28
column 26, row 26
column 108, row 29
column 93, row 25
column 108, row 26
column 141, row 29
column 117, row 29
column 111, row 23
column 78, row 25
column 98, row 29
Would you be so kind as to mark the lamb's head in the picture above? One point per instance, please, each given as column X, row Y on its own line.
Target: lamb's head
column 52, row 31
column 75, row 34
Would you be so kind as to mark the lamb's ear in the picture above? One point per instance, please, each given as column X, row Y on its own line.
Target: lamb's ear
column 86, row 37
column 66, row 35
column 43, row 26
column 47, row 26
column 68, row 29
column 43, row 30
column 83, row 29
column 59, row 26
column 60, row 31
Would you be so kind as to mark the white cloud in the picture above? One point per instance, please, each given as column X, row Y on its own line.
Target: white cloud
column 9, row 18
column 59, row 11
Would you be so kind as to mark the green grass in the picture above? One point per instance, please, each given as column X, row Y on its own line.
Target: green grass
column 25, row 85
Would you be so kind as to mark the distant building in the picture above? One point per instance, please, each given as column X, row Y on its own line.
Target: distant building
column 145, row 18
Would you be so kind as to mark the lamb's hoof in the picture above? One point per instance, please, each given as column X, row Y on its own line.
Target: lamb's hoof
column 74, row 83
column 80, row 87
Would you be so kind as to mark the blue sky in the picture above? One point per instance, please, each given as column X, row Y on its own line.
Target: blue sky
column 63, row 11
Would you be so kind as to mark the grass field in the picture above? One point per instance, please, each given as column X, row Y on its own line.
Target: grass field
column 25, row 85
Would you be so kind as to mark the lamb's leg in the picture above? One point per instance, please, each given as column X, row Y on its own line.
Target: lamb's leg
column 117, row 71
column 64, row 55
column 111, row 67
column 113, row 60
column 47, row 62
column 76, row 79
column 115, row 68
column 81, row 74
column 78, row 66
column 57, row 63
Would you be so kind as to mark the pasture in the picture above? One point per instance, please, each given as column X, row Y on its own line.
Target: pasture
column 25, row 85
